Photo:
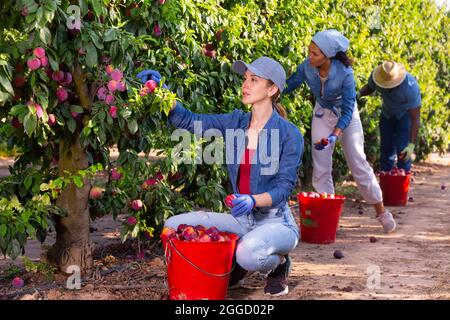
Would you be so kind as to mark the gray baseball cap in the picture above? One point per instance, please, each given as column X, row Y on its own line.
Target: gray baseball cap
column 263, row 67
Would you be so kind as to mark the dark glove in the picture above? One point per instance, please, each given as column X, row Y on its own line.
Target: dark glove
column 243, row 204
column 325, row 142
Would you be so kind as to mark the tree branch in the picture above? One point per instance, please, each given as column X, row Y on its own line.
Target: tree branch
column 81, row 86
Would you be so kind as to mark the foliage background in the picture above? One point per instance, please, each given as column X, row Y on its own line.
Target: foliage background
column 415, row 33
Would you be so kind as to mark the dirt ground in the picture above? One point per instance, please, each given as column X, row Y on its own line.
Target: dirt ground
column 412, row 263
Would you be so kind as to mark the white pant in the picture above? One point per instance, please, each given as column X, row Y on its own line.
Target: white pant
column 352, row 139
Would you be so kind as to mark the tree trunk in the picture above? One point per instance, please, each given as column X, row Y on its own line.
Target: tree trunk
column 73, row 246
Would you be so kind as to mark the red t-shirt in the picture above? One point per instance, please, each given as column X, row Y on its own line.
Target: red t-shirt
column 244, row 172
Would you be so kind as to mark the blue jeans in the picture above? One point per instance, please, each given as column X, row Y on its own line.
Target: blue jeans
column 264, row 235
column 394, row 136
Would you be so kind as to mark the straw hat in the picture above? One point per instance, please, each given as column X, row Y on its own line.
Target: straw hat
column 389, row 74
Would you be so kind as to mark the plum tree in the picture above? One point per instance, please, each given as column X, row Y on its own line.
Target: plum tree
column 65, row 108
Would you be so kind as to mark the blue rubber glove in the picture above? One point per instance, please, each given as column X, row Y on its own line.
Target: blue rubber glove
column 243, row 204
column 150, row 74
column 325, row 143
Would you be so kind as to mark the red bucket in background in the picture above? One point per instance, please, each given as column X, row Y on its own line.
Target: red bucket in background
column 319, row 218
column 199, row 270
column 395, row 189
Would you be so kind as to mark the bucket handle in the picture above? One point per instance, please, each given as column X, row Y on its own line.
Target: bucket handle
column 192, row 264
column 167, row 254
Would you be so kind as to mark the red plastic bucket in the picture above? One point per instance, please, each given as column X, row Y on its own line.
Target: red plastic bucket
column 319, row 218
column 199, row 270
column 395, row 189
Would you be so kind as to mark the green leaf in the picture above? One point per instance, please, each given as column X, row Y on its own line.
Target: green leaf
column 44, row 187
column 97, row 168
column 125, row 44
column 65, row 110
column 45, row 35
column 78, row 181
column 53, row 63
column 135, row 231
column 6, row 84
column 49, row 15
column 133, row 126
column 96, row 40
column 19, row 109
column 35, row 188
column 114, row 50
column 102, row 137
column 30, row 123
column 58, row 183
column 91, row 55
column 3, row 230
column 41, row 234
column 97, row 4
column 110, row 35
column 71, row 125
column 3, row 98
column 51, row 5
column 33, row 79
column 86, row 131
column 84, row 7
column 39, row 14
column 124, row 234
column 126, row 113
column 30, row 230
column 77, row 109
column 28, row 181
column 14, row 249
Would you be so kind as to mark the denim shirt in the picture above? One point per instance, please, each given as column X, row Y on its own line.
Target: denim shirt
column 275, row 161
column 339, row 89
column 397, row 101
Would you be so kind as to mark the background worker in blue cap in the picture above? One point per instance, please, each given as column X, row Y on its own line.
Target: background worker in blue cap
column 328, row 73
column 260, row 213
column 400, row 113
